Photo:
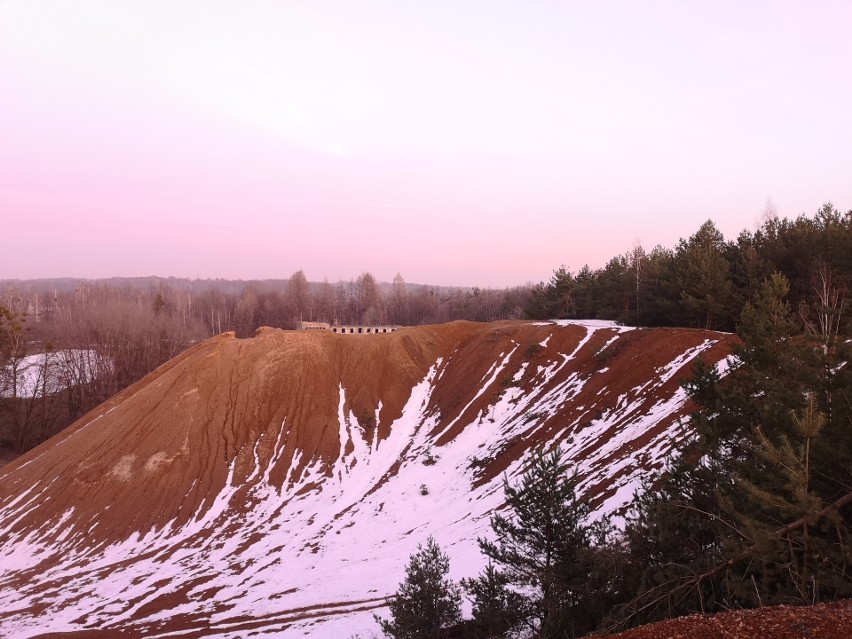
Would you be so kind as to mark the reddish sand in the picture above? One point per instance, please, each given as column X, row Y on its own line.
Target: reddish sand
column 824, row 621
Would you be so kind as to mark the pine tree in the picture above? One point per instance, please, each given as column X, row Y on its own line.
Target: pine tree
column 703, row 274
column 426, row 601
column 674, row 532
column 497, row 609
column 554, row 299
column 790, row 559
column 542, row 546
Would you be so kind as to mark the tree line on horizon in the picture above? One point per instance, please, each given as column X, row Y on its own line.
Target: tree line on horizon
column 97, row 337
column 704, row 281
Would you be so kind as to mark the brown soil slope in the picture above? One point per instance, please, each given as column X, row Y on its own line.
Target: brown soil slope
column 261, row 465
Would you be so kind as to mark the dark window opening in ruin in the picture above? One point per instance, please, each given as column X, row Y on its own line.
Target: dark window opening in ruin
column 359, row 329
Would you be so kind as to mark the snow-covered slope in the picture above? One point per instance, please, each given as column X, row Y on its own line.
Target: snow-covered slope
column 276, row 486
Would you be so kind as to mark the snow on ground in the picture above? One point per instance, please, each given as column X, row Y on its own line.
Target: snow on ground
column 589, row 323
column 48, row 373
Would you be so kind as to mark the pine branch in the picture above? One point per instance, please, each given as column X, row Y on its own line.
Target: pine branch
column 779, row 534
column 730, row 563
column 714, row 517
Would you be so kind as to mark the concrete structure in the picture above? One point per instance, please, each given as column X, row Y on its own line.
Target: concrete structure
column 359, row 330
column 348, row 329
column 312, row 326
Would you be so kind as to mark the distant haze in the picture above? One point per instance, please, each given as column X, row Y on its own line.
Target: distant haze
column 475, row 143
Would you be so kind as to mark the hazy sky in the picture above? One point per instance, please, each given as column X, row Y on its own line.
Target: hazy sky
column 472, row 143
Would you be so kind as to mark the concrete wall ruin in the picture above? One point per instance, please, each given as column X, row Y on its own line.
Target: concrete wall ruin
column 348, row 329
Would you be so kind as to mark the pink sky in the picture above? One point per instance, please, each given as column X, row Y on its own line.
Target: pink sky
column 475, row 143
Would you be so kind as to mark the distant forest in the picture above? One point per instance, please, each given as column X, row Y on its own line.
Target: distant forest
column 103, row 335
column 100, row 336
column 705, row 281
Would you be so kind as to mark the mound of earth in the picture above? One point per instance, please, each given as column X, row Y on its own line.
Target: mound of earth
column 277, row 485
